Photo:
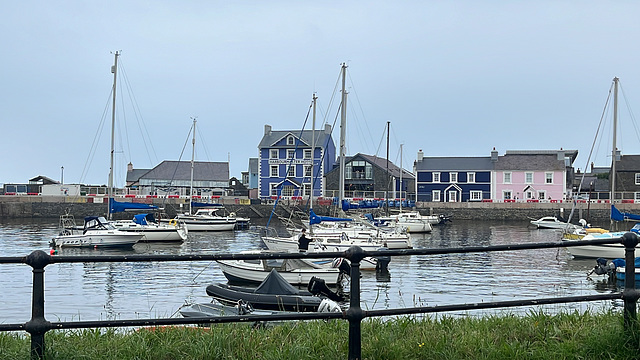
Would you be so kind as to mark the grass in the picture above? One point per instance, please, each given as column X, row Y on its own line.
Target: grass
column 535, row 336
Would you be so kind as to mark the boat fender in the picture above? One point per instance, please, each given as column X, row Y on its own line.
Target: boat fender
column 327, row 305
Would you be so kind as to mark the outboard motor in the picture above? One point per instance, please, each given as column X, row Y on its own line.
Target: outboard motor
column 382, row 262
column 318, row 286
column 603, row 268
column 342, row 265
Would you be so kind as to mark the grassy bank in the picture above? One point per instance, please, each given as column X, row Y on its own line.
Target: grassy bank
column 536, row 336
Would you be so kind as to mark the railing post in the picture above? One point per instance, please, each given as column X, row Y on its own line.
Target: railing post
column 38, row 325
column 354, row 313
column 630, row 240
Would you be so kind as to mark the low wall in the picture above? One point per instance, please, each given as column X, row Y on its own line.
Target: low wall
column 54, row 206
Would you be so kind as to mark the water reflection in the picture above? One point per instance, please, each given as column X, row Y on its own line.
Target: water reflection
column 90, row 291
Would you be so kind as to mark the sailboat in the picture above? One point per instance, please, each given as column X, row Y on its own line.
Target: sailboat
column 607, row 251
column 97, row 231
column 204, row 219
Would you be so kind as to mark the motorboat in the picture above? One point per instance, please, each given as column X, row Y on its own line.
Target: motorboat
column 152, row 230
column 205, row 220
column 411, row 222
column 294, row 271
column 215, row 310
column 552, row 222
column 274, row 293
column 97, row 232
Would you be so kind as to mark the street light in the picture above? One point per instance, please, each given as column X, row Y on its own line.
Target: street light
column 61, row 175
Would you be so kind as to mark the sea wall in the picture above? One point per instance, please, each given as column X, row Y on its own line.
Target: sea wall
column 54, row 206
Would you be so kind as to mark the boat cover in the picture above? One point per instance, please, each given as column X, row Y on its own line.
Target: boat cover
column 620, row 216
column 274, row 283
column 317, row 219
column 144, row 219
column 118, row 206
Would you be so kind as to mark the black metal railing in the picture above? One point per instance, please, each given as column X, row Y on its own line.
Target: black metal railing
column 37, row 326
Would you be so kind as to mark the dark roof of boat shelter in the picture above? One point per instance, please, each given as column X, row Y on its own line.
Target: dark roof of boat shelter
column 181, row 170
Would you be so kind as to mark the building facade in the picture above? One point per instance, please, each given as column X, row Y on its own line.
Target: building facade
column 289, row 166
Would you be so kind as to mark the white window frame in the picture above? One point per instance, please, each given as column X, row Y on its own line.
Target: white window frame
column 274, row 189
column 436, row 177
column 453, row 177
column 528, row 177
column 505, row 193
column 637, row 178
column 548, row 178
column 542, row 194
column 471, row 177
column 436, row 195
column 307, row 153
column 277, row 172
column 475, row 195
column 291, row 140
column 636, row 196
column 307, row 171
column 453, row 196
column 506, row 177
column 291, row 153
column 291, row 171
column 530, row 195
column 273, row 153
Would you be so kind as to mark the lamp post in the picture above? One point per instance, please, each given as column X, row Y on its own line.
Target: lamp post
column 61, row 175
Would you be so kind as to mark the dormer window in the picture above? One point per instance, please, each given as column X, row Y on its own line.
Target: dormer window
column 291, row 140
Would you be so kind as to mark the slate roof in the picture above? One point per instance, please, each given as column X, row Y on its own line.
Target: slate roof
column 45, row 180
column 540, row 162
column 268, row 140
column 135, row 174
column 455, row 163
column 628, row 163
column 379, row 162
column 181, row 170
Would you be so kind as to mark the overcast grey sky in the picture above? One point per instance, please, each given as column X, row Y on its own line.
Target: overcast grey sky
column 454, row 78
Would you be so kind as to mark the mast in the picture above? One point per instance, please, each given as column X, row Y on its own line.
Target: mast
column 114, row 70
column 343, row 131
column 401, row 178
column 613, row 151
column 313, row 155
column 193, row 154
column 386, row 190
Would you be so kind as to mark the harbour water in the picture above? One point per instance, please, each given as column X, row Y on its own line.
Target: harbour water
column 101, row 291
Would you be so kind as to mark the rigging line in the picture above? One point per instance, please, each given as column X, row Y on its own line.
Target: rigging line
column 146, row 138
column 175, row 171
column 298, row 141
column 353, row 87
column 96, row 139
column 602, row 117
column 633, row 120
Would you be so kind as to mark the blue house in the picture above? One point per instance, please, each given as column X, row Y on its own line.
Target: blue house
column 285, row 162
column 453, row 179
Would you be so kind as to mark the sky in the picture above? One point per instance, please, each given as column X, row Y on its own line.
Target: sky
column 452, row 78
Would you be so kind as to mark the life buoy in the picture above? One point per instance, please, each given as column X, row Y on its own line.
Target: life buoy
column 173, row 222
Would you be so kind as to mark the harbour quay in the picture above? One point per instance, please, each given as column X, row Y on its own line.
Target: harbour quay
column 18, row 206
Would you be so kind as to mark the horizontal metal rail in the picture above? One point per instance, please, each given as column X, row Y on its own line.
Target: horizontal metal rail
column 38, row 260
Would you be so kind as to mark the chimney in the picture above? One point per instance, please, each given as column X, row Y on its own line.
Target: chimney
column 560, row 154
column 267, row 129
column 592, row 166
column 494, row 155
column 129, row 167
column 420, row 155
column 327, row 129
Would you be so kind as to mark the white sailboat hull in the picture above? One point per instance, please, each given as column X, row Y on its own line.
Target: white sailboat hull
column 100, row 238
column 256, row 272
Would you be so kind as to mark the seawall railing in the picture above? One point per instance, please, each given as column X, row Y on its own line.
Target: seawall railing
column 38, row 325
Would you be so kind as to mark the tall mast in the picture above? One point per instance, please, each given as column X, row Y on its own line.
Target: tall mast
column 114, row 70
column 613, row 151
column 401, row 177
column 313, row 150
column 343, row 132
column 386, row 190
column 193, row 154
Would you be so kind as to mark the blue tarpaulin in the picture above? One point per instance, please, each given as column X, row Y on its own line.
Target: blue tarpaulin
column 117, row 206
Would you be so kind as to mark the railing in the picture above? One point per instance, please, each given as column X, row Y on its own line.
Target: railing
column 38, row 260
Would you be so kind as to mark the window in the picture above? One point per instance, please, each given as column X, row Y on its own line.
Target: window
column 507, row 178
column 273, row 154
column 453, row 196
column 307, row 171
column 292, row 171
column 291, row 153
column 436, row 195
column 637, row 178
column 307, row 190
column 436, row 178
column 359, row 169
column 530, row 195
column 453, row 177
column 528, row 178
column 471, row 177
column 548, row 178
column 288, row 190
column 506, row 194
column 274, row 189
column 636, row 196
column 542, row 194
column 475, row 195
column 291, row 140
column 307, row 153
column 274, row 170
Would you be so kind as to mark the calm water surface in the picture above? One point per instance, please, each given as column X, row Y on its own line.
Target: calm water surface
column 100, row 291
